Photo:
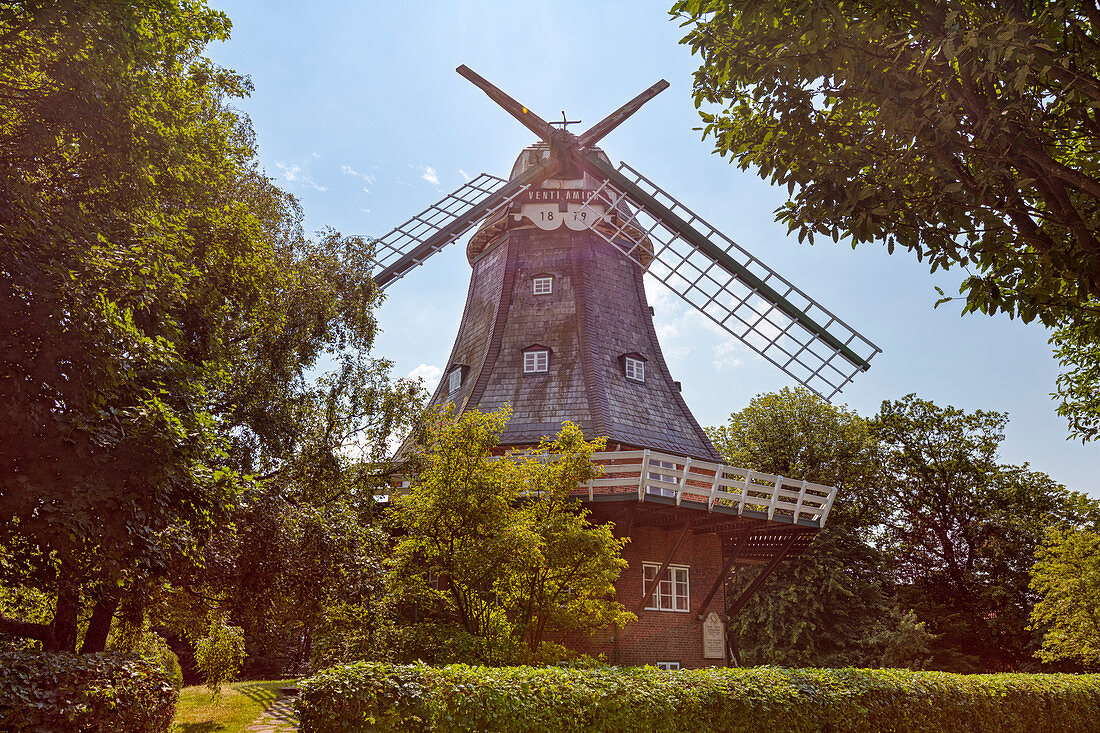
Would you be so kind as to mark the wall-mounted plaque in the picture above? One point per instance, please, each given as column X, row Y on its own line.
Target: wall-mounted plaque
column 714, row 637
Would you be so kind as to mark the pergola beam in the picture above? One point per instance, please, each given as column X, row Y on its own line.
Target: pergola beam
column 758, row 581
column 723, row 575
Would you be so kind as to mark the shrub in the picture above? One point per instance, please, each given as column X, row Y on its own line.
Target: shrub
column 220, row 654
column 151, row 647
column 371, row 696
column 90, row 693
column 347, row 633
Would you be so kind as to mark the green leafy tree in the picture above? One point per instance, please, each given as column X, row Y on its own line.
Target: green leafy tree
column 1066, row 577
column 302, row 555
column 962, row 130
column 833, row 605
column 495, row 544
column 963, row 530
column 161, row 310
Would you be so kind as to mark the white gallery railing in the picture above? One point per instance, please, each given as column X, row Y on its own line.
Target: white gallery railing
column 652, row 473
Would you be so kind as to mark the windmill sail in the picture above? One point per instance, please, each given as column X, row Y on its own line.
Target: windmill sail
column 730, row 286
column 408, row 245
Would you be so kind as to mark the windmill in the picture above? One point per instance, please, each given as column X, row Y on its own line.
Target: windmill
column 556, row 325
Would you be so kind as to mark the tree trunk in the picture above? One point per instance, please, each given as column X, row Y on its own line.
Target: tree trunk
column 25, row 630
column 63, row 638
column 95, row 640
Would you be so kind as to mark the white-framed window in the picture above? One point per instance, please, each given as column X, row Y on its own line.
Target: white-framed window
column 535, row 362
column 661, row 471
column 543, row 285
column 634, row 368
column 668, row 666
column 454, row 380
column 673, row 590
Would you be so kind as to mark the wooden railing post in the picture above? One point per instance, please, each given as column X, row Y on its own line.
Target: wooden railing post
column 643, row 475
column 683, row 481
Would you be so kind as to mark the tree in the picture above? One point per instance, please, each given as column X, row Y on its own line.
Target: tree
column 963, row 530
column 963, row 131
column 1066, row 577
column 304, row 547
column 495, row 543
column 833, row 605
column 161, row 307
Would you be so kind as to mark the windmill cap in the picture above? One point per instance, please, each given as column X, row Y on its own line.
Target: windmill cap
column 493, row 226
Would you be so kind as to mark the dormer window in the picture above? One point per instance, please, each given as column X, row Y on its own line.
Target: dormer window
column 536, row 359
column 634, row 367
column 543, row 284
column 454, row 380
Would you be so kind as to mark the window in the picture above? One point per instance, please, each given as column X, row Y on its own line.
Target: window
column 535, row 362
column 656, row 474
column 634, row 368
column 454, row 380
column 672, row 592
column 668, row 666
column 543, row 285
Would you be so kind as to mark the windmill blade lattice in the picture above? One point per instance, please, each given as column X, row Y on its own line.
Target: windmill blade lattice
column 408, row 245
column 729, row 285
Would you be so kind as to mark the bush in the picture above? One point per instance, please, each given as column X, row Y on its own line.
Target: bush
column 370, row 696
column 220, row 654
column 151, row 647
column 89, row 693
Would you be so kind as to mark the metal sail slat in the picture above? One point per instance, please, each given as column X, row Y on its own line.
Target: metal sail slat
column 741, row 294
column 404, row 239
column 408, row 245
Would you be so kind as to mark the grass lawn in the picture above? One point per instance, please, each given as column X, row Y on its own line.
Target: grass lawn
column 241, row 703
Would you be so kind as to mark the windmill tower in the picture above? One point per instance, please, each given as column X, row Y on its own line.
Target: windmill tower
column 557, row 326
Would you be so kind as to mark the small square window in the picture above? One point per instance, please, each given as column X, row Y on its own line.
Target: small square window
column 543, row 285
column 634, row 368
column 668, row 666
column 454, row 380
column 535, row 362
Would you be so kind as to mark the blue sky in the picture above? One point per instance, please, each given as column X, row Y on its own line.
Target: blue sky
column 359, row 112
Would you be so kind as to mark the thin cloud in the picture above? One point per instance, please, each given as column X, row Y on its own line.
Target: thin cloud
column 430, row 175
column 465, row 175
column 298, row 173
column 727, row 355
column 347, row 170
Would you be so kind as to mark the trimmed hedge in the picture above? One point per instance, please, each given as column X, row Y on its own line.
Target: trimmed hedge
column 90, row 693
column 370, row 696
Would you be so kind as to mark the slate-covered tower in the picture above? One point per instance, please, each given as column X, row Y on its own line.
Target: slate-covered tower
column 557, row 326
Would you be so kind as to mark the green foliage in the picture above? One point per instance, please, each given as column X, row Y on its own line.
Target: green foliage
column 963, row 530
column 162, row 309
column 152, row 648
column 219, row 654
column 345, row 635
column 376, row 697
column 96, row 693
column 834, row 604
column 1078, row 353
column 925, row 560
column 497, row 544
column 961, row 130
column 1067, row 579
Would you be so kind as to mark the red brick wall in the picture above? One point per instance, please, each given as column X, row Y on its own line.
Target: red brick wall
column 661, row 636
